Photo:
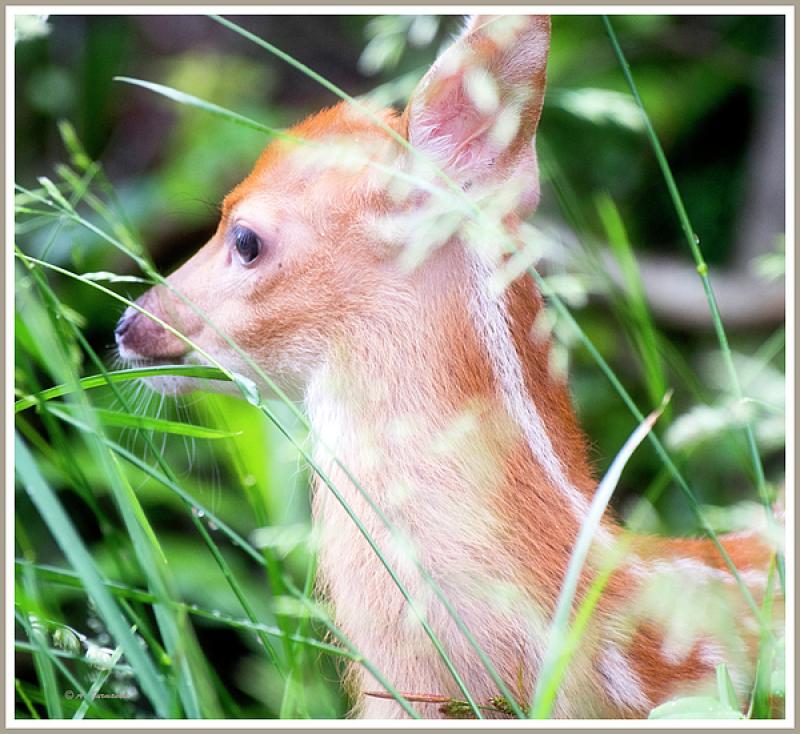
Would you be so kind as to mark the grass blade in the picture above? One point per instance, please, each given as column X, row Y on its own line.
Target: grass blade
column 547, row 684
column 71, row 579
column 76, row 553
column 669, row 464
column 160, row 425
column 137, row 373
column 188, row 99
column 26, row 699
column 641, row 322
column 102, row 677
column 63, row 654
column 44, row 671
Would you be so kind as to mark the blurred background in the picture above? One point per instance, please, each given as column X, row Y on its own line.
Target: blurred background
column 714, row 88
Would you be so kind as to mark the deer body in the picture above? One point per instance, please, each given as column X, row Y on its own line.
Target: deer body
column 435, row 390
column 393, row 411
column 491, row 527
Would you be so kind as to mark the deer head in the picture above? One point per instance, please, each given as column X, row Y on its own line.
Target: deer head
column 312, row 247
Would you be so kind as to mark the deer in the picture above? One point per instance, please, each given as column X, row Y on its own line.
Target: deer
column 341, row 270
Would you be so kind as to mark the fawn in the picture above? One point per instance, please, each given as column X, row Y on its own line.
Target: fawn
column 341, row 273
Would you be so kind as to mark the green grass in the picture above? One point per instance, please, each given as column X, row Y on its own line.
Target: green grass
column 693, row 242
column 96, row 474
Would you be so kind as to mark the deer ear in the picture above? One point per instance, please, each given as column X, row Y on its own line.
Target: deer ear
column 476, row 111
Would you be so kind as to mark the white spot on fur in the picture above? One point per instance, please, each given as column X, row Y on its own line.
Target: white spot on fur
column 621, row 682
column 694, row 569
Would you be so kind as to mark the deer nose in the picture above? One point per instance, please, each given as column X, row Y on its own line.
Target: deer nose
column 124, row 325
column 141, row 334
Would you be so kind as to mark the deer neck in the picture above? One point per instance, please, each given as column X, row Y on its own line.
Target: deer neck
column 418, row 409
column 446, row 403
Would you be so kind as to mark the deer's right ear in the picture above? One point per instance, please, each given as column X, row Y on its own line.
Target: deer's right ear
column 476, row 111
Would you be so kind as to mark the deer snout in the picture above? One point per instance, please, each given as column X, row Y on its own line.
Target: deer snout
column 141, row 337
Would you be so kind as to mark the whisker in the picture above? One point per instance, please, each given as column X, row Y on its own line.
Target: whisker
column 216, row 486
column 146, row 398
column 158, row 413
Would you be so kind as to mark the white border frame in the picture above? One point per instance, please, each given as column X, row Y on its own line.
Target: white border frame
column 787, row 11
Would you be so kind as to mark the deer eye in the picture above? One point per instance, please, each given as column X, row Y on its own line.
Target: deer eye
column 247, row 244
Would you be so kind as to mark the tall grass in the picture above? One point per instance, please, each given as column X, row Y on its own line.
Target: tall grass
column 70, row 442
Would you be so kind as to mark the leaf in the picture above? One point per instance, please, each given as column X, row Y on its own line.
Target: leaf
column 644, row 334
column 727, row 693
column 695, row 707
column 71, row 142
column 553, row 665
column 777, row 680
column 86, row 383
column 291, row 607
column 282, row 539
column 143, row 422
column 103, row 275
column 249, row 389
column 778, row 683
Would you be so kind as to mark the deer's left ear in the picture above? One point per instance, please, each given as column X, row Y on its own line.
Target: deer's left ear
column 475, row 112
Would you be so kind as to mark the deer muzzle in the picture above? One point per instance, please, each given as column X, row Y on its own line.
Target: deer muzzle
column 144, row 335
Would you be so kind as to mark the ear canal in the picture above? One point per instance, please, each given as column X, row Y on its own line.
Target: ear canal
column 476, row 110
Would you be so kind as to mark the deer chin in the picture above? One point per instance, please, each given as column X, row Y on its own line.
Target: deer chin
column 247, row 383
column 163, row 384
